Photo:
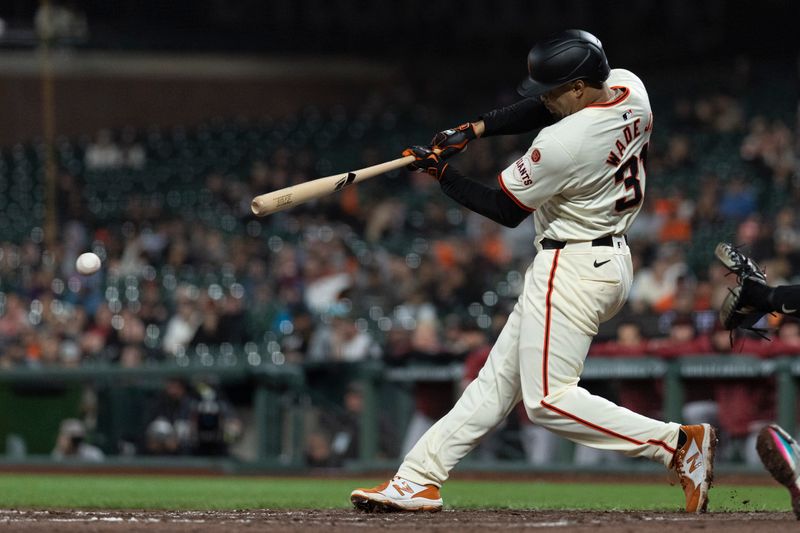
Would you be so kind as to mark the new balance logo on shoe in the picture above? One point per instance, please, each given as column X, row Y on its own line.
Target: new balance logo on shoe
column 696, row 472
column 403, row 488
column 694, row 462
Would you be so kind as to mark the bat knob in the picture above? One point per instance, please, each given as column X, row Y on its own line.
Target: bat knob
column 257, row 207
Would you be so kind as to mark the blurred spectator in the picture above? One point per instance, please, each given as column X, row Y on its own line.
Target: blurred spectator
column 341, row 340
column 15, row 317
column 318, row 449
column 676, row 213
column 345, row 428
column 183, row 325
column 654, row 287
column 132, row 356
column 678, row 154
column 133, row 153
column 214, row 423
column 738, row 200
column 706, row 215
column 170, row 428
column 787, row 341
column 103, row 153
column 161, row 438
column 296, row 344
column 769, row 145
column 61, row 23
column 323, row 283
column 629, row 342
column 71, row 444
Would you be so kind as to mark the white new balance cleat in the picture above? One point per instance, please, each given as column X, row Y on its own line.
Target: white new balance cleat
column 694, row 464
column 398, row 494
column 780, row 454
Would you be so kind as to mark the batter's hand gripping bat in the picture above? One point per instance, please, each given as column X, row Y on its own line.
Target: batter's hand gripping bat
column 266, row 204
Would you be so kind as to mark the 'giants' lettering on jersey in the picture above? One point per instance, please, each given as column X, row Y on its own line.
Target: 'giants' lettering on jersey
column 523, row 172
column 630, row 133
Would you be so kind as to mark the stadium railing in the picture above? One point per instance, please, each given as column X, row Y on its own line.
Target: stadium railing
column 278, row 412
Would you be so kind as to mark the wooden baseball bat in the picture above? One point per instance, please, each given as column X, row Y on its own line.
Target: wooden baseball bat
column 266, row 204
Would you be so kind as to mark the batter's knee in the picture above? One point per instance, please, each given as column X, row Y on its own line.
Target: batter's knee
column 541, row 409
column 535, row 411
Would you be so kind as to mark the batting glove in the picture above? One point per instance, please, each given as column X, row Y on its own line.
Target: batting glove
column 426, row 160
column 454, row 140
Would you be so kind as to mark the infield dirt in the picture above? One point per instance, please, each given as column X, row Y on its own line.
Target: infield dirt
column 345, row 520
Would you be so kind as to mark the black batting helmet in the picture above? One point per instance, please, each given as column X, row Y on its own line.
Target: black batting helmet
column 564, row 57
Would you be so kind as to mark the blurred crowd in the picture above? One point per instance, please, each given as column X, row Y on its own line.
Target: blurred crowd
column 392, row 270
column 182, row 417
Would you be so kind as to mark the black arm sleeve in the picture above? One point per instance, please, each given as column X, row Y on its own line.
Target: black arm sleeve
column 521, row 117
column 492, row 203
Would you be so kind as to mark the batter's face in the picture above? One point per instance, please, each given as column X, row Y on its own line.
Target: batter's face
column 563, row 100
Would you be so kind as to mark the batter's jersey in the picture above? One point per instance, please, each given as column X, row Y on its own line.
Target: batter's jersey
column 584, row 176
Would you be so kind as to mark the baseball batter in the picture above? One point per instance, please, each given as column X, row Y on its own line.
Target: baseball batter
column 583, row 178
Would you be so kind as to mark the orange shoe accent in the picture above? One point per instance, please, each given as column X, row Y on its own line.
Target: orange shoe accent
column 694, row 465
column 431, row 492
column 376, row 489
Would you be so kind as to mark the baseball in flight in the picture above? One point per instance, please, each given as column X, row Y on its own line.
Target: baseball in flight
column 88, row 263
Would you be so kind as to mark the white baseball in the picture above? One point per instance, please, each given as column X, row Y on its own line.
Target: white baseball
column 88, row 263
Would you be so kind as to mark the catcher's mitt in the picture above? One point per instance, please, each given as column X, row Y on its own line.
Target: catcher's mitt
column 735, row 313
column 746, row 303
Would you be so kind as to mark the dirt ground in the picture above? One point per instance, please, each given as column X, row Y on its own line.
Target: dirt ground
column 341, row 521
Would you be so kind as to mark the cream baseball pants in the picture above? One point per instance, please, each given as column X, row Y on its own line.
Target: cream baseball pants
column 538, row 358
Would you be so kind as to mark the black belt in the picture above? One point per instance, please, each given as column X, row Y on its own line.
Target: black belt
column 551, row 244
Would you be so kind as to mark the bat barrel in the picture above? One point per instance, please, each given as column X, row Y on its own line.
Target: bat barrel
column 279, row 200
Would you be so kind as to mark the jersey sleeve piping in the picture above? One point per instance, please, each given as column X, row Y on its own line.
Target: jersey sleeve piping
column 511, row 195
